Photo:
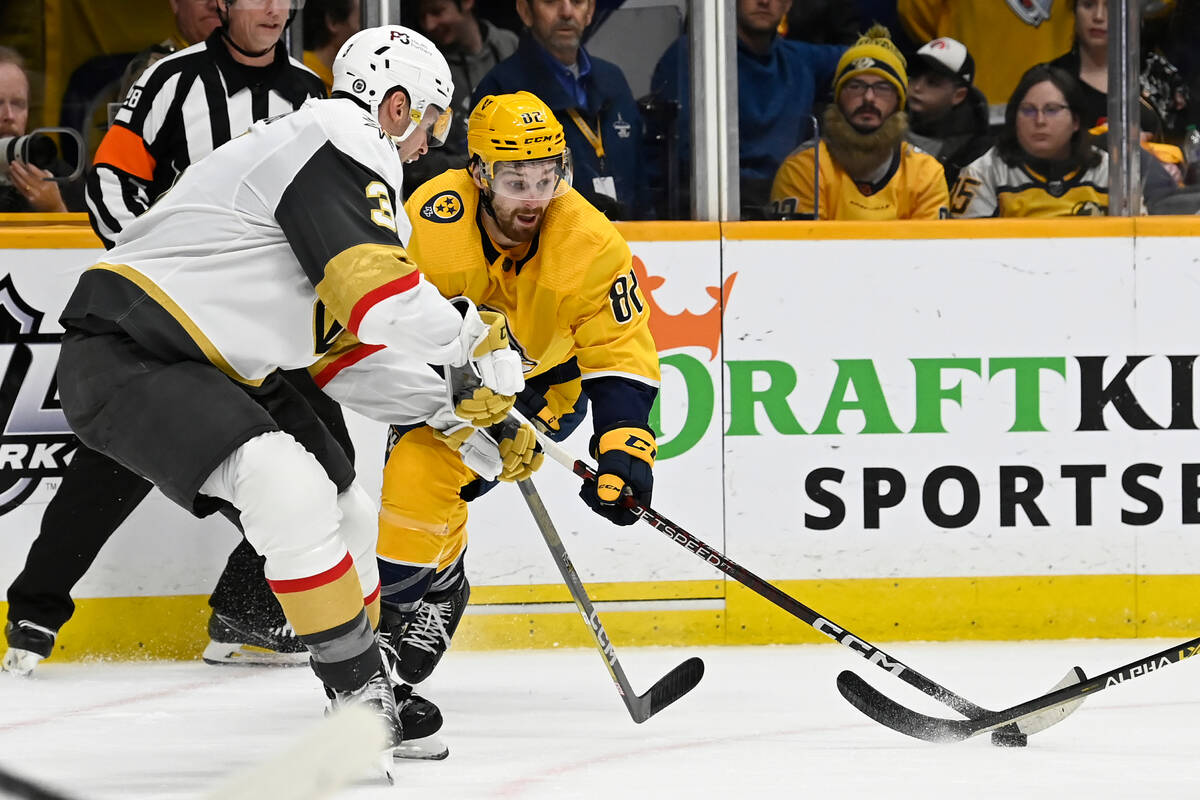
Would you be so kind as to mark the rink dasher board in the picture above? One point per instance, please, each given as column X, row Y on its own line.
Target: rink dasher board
column 849, row 364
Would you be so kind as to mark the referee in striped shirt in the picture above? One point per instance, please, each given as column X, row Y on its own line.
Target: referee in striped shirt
column 182, row 108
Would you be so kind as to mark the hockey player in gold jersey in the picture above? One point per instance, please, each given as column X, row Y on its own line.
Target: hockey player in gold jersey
column 865, row 171
column 511, row 234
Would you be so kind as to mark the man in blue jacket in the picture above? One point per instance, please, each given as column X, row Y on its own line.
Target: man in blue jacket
column 590, row 96
column 778, row 81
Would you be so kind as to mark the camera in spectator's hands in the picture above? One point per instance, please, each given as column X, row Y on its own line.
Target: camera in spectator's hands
column 40, row 150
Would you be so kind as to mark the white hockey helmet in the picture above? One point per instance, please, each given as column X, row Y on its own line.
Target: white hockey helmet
column 374, row 61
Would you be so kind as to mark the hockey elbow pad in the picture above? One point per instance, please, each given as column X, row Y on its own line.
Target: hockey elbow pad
column 624, row 454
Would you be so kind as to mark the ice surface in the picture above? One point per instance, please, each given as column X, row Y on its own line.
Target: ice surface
column 765, row 722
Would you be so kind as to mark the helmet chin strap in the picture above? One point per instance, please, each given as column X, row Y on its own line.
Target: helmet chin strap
column 485, row 195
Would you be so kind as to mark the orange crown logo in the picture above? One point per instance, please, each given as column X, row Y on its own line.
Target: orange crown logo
column 684, row 329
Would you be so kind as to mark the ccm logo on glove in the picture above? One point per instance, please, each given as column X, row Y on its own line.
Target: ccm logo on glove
column 624, row 454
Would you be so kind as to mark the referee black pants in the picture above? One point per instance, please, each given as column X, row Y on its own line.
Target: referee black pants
column 97, row 494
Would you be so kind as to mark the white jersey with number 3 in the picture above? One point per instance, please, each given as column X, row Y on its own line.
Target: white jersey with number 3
column 266, row 251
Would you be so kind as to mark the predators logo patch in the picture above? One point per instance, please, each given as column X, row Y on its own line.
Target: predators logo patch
column 444, row 207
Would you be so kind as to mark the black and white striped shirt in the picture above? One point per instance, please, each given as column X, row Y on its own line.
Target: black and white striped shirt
column 181, row 109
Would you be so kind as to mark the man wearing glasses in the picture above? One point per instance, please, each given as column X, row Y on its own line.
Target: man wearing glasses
column 864, row 170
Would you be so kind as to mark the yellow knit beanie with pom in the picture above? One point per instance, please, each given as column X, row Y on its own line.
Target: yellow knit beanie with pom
column 873, row 54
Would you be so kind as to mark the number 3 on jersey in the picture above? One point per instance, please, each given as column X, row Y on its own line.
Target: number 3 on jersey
column 626, row 298
column 383, row 216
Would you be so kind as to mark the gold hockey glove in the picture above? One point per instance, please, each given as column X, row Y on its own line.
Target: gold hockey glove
column 624, row 454
column 519, row 450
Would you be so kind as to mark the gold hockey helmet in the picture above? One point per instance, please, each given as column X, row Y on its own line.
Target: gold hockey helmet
column 520, row 147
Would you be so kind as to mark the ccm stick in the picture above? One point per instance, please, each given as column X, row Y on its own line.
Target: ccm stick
column 886, row 711
column 669, row 688
column 842, row 636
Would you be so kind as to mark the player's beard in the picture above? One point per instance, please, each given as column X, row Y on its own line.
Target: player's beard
column 512, row 228
column 859, row 153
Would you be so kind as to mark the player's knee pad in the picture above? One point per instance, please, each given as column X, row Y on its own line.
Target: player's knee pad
column 289, row 507
column 359, row 529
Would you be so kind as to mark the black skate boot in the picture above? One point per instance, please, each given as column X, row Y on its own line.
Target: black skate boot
column 423, row 638
column 253, row 642
column 28, row 643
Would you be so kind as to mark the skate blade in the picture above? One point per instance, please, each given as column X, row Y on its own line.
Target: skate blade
column 20, row 662
column 245, row 655
column 385, row 766
column 428, row 748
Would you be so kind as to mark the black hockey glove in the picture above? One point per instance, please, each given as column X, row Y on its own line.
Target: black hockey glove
column 624, row 454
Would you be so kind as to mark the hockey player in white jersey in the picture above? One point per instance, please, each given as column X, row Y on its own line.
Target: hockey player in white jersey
column 259, row 259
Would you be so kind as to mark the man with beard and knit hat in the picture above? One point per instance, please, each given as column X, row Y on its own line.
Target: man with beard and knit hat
column 865, row 170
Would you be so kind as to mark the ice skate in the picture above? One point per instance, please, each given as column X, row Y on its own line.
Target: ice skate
column 28, row 643
column 423, row 637
column 420, row 718
column 249, row 642
column 377, row 697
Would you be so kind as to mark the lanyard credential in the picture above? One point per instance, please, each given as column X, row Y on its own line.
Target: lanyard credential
column 593, row 136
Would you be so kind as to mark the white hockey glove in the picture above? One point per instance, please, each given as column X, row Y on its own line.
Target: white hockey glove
column 484, row 342
column 476, row 448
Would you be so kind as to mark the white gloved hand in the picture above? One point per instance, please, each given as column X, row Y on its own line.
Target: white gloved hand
column 484, row 346
column 476, row 448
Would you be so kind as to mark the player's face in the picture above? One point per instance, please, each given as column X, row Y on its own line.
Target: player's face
column 415, row 146
column 256, row 25
column 520, row 195
column 14, row 100
column 196, row 19
column 1045, row 123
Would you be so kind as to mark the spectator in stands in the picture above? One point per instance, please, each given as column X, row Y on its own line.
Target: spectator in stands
column 778, row 83
column 864, row 168
column 1004, row 36
column 195, row 20
column 821, row 22
column 591, row 96
column 25, row 187
column 472, row 47
column 948, row 116
column 1044, row 163
column 327, row 26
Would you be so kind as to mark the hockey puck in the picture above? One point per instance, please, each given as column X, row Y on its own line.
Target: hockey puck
column 1009, row 738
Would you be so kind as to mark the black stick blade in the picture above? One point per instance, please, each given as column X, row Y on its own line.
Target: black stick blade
column 886, row 711
column 670, row 687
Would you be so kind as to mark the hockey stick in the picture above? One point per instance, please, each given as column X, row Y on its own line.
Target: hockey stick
column 13, row 785
column 669, row 688
column 333, row 753
column 883, row 709
column 818, row 622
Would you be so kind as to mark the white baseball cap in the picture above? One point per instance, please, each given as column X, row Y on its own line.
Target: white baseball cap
column 948, row 56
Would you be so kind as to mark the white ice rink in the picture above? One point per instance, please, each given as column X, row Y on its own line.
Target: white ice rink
column 764, row 722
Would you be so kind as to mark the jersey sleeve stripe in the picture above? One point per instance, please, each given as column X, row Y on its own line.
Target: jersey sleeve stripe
column 125, row 150
column 398, row 286
column 328, row 371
